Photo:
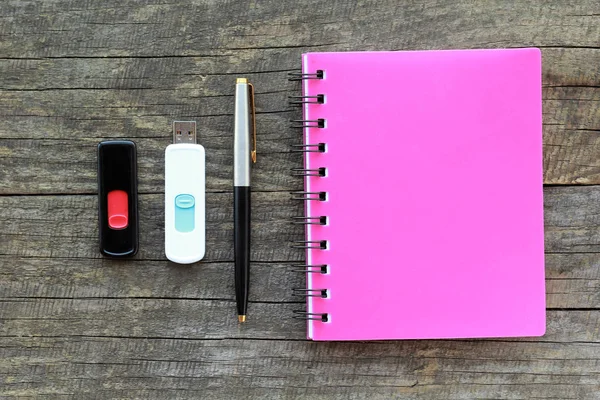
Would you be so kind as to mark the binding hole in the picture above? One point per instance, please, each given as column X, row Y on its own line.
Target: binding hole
column 323, row 220
column 321, row 123
column 320, row 98
column 322, row 196
column 325, row 318
column 322, row 171
column 324, row 269
column 323, row 245
column 319, row 74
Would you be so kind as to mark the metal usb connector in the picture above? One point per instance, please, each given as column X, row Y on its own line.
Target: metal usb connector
column 184, row 132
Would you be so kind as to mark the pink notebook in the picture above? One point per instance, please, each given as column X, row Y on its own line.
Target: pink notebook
column 432, row 194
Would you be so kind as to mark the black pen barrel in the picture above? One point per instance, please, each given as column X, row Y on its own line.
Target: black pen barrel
column 241, row 240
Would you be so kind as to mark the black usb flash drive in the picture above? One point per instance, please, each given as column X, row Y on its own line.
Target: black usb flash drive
column 117, row 198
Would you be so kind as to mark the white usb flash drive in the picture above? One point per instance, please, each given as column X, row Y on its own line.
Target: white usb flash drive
column 185, row 196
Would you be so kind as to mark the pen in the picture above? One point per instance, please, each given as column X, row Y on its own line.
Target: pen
column 243, row 155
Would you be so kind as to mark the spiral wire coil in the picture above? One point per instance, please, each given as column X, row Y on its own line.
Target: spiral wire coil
column 309, row 196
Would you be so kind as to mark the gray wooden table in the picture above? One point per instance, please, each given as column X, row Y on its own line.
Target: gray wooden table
column 76, row 326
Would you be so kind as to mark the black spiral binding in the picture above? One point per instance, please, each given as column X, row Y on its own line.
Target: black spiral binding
column 300, row 76
column 309, row 148
column 311, row 316
column 322, row 293
column 308, row 123
column 322, row 220
column 309, row 196
column 299, row 100
column 311, row 269
column 320, row 196
column 309, row 172
column 310, row 244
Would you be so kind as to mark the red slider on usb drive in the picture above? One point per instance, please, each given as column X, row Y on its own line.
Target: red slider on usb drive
column 118, row 209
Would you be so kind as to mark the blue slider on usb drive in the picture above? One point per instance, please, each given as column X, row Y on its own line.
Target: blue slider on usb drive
column 184, row 213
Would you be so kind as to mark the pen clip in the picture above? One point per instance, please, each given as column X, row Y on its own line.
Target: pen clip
column 253, row 111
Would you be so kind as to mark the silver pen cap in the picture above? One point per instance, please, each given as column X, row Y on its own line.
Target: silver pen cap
column 244, row 142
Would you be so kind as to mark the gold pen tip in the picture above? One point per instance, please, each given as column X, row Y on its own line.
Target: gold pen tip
column 241, row 80
column 241, row 318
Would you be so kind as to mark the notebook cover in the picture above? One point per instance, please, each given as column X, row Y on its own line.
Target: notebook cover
column 434, row 194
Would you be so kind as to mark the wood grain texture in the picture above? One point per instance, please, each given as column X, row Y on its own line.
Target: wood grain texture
column 159, row 368
column 45, row 232
column 66, row 226
column 76, row 326
column 66, row 143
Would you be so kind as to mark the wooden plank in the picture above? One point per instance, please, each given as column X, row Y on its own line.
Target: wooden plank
column 197, row 77
column 115, row 104
column 63, row 166
column 130, row 29
column 68, row 278
column 572, row 219
column 68, row 143
column 42, row 226
column 138, row 98
column 55, row 242
column 571, row 117
column 67, row 226
column 572, row 280
column 141, row 366
column 203, row 319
